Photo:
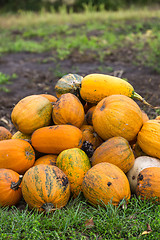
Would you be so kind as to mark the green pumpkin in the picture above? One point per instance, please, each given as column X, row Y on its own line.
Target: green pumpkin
column 69, row 83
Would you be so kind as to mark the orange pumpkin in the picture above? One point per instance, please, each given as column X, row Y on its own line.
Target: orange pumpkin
column 105, row 183
column 91, row 136
column 5, row 133
column 45, row 188
column 68, row 110
column 117, row 115
column 16, row 154
column 89, row 115
column 74, row 163
column 31, row 113
column 149, row 138
column 55, row 139
column 50, row 97
column 47, row 159
column 10, row 187
column 148, row 183
column 115, row 150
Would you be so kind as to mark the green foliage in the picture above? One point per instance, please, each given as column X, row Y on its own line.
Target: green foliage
column 5, row 79
column 109, row 222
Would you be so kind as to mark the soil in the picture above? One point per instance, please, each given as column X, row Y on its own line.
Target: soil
column 36, row 76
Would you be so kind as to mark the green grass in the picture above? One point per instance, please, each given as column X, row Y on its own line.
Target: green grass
column 70, row 222
column 101, row 33
column 6, row 79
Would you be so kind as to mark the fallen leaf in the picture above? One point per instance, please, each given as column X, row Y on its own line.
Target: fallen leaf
column 148, row 228
column 89, row 223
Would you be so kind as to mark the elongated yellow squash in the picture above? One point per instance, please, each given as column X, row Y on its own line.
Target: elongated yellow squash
column 94, row 87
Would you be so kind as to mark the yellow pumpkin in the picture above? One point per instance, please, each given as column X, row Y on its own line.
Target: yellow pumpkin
column 105, row 183
column 31, row 113
column 117, row 115
column 115, row 150
column 149, row 138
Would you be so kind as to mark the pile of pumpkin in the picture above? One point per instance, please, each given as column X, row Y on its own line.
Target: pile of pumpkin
column 91, row 138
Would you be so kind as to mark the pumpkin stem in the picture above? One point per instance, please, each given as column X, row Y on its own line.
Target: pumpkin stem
column 137, row 96
column 15, row 185
column 48, row 207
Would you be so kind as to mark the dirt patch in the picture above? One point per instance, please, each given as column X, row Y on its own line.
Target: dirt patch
column 38, row 73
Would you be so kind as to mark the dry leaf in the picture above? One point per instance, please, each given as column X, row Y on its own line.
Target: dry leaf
column 89, row 223
column 148, row 230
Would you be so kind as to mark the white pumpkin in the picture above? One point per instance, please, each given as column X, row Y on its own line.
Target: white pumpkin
column 139, row 164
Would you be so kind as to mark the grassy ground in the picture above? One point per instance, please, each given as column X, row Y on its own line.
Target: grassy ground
column 137, row 29
column 79, row 220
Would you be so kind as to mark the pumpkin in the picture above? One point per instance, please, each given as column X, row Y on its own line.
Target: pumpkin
column 16, row 154
column 95, row 87
column 89, row 115
column 50, row 97
column 10, row 187
column 117, row 115
column 148, row 183
column 74, row 163
column 31, row 113
column 137, row 150
column 45, row 188
column 91, row 136
column 149, row 138
column 46, row 159
column 20, row 135
column 5, row 133
column 115, row 150
column 105, row 183
column 145, row 117
column 139, row 164
column 157, row 118
column 68, row 110
column 69, row 83
column 55, row 139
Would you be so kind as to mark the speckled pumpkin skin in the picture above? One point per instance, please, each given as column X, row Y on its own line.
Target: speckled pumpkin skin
column 20, row 135
column 55, row 139
column 68, row 110
column 45, row 188
column 31, row 113
column 69, row 83
column 115, row 150
column 105, row 183
column 16, row 154
column 149, row 138
column 117, row 115
column 74, row 163
column 48, row 159
column 148, row 183
column 9, row 196
column 5, row 133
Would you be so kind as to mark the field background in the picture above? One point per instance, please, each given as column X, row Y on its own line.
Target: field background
column 39, row 47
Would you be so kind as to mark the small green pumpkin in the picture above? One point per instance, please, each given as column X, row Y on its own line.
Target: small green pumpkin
column 69, row 83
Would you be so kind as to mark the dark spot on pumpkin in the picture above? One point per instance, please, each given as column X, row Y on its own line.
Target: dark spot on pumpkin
column 103, row 107
column 109, row 184
column 87, row 147
column 140, row 177
column 64, row 181
column 133, row 177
